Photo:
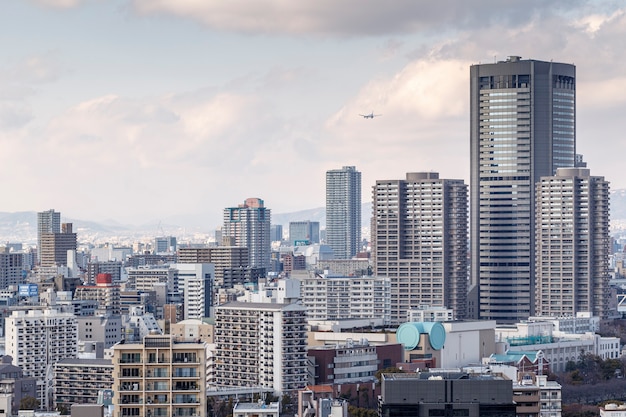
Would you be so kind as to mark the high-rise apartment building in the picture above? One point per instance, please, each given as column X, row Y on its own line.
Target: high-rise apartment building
column 11, row 266
column 261, row 344
column 196, row 282
column 159, row 376
column 343, row 211
column 304, row 232
column 37, row 339
column 47, row 222
column 522, row 127
column 248, row 225
column 572, row 244
column 419, row 241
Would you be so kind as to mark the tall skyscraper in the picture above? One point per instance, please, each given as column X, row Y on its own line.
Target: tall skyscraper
column 47, row 222
column 573, row 244
column 37, row 339
column 343, row 211
column 419, row 241
column 248, row 225
column 523, row 127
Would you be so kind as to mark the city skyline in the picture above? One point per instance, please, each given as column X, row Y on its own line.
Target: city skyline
column 201, row 99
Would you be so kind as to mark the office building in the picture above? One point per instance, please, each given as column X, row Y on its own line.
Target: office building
column 54, row 246
column 47, row 222
column 114, row 268
column 261, row 345
column 419, row 241
column 159, row 376
column 343, row 211
column 27, row 331
column 276, row 232
column 572, row 244
column 304, row 232
column 164, row 244
column 11, row 268
column 522, row 127
column 229, row 261
column 248, row 225
column 426, row 394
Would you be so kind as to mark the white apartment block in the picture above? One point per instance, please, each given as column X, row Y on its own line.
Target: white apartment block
column 37, row 339
column 329, row 297
column 196, row 282
column 261, row 344
column 145, row 278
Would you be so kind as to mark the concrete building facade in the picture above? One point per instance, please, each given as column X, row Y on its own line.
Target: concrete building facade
column 522, row 127
column 419, row 241
column 343, row 211
column 572, row 244
column 248, row 225
column 159, row 376
column 261, row 344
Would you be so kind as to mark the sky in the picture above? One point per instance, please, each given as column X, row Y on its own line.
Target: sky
column 151, row 110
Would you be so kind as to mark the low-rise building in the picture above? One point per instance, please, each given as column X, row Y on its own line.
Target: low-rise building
column 427, row 394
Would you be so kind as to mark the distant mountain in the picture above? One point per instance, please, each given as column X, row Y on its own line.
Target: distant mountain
column 22, row 226
column 318, row 215
column 618, row 205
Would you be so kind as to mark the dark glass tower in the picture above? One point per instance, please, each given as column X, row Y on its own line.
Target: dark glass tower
column 523, row 127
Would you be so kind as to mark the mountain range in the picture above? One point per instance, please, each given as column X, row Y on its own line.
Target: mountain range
column 22, row 226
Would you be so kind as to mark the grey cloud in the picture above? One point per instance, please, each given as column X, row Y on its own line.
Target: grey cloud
column 14, row 115
column 356, row 17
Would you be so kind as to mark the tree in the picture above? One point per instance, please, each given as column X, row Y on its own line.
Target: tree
column 29, row 403
column 390, row 370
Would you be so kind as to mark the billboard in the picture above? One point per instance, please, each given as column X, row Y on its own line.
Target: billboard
column 28, row 290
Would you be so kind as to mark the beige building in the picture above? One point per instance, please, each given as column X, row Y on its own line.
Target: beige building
column 160, row 376
column 419, row 241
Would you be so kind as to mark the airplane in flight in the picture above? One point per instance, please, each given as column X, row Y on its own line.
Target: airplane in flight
column 369, row 116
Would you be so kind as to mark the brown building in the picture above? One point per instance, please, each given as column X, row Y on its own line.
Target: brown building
column 353, row 362
column 54, row 246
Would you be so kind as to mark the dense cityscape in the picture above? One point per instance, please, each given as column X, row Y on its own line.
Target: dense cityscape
column 491, row 298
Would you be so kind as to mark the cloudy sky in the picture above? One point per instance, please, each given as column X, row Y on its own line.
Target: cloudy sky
column 142, row 110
